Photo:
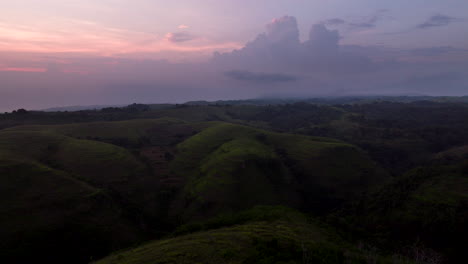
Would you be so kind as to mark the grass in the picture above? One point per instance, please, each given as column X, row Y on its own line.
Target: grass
column 54, row 193
column 163, row 131
column 94, row 161
column 47, row 214
column 426, row 206
column 226, row 168
column 263, row 234
column 230, row 167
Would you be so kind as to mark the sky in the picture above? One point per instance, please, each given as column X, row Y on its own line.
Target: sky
column 88, row 52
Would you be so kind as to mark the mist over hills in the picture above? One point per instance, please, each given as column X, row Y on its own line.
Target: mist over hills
column 285, row 100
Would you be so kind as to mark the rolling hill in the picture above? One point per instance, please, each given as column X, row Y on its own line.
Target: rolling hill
column 77, row 186
column 163, row 173
column 260, row 235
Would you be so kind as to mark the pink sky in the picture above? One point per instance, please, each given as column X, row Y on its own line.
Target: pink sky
column 119, row 51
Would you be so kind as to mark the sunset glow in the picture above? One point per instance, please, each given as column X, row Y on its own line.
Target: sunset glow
column 12, row 69
column 194, row 46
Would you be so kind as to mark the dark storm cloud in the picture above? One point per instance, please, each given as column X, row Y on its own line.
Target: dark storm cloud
column 438, row 20
column 260, row 76
column 179, row 37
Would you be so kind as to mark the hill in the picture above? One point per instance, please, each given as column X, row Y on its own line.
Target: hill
column 166, row 172
column 83, row 184
column 232, row 167
column 427, row 207
column 261, row 235
column 58, row 193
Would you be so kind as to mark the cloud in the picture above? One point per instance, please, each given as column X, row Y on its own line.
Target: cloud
column 322, row 40
column 283, row 29
column 260, row 77
column 334, row 22
column 438, row 20
column 23, row 69
column 177, row 37
column 183, row 26
column 275, row 63
column 280, row 50
column 326, row 66
column 432, row 51
column 360, row 23
column 370, row 21
column 279, row 45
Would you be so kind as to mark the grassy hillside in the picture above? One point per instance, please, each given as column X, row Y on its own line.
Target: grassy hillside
column 130, row 133
column 58, row 192
column 75, row 186
column 230, row 167
column 92, row 161
column 224, row 166
column 265, row 235
column 426, row 207
column 47, row 214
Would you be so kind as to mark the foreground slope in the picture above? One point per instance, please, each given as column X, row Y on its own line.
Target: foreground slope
column 55, row 197
column 261, row 235
column 427, row 207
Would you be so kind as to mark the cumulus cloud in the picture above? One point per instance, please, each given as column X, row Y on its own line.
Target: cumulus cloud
column 322, row 40
column 279, row 45
column 283, row 29
column 438, row 20
column 279, row 49
column 260, row 77
column 183, row 26
column 177, row 37
column 324, row 64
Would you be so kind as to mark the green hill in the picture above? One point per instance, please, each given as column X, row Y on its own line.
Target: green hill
column 47, row 214
column 265, row 235
column 75, row 186
column 426, row 207
column 152, row 180
column 130, row 133
column 57, row 194
column 231, row 167
column 94, row 162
